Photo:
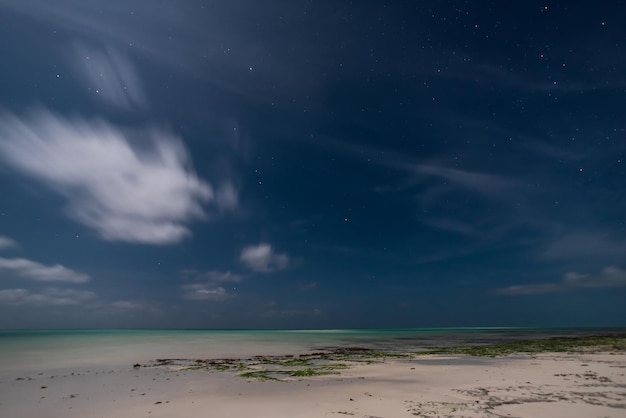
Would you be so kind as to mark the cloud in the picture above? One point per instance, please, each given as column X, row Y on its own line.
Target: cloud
column 274, row 310
column 47, row 297
column 204, row 291
column 484, row 183
column 262, row 258
column 127, row 305
column 110, row 76
column 211, row 287
column 123, row 192
column 216, row 276
column 494, row 74
column 6, row 243
column 585, row 244
column 226, row 197
column 35, row 271
column 308, row 286
column 610, row 277
column 487, row 184
column 453, row 226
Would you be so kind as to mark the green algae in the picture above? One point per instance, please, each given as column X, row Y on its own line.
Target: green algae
column 334, row 359
column 547, row 345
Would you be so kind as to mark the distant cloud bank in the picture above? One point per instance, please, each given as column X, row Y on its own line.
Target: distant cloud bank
column 610, row 277
column 46, row 297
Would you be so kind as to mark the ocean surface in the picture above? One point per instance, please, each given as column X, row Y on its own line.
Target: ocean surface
column 58, row 349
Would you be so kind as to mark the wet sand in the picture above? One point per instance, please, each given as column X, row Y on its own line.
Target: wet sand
column 539, row 385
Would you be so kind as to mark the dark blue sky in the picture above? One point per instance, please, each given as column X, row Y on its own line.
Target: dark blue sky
column 243, row 164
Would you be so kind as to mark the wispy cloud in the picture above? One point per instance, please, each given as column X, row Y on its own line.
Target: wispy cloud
column 308, row 286
column 143, row 32
column 484, row 183
column 204, row 291
column 214, row 276
column 109, row 76
column 263, row 259
column 610, row 277
column 453, row 225
column 100, row 307
column 6, row 243
column 124, row 192
column 493, row 74
column 226, row 197
column 211, row 285
column 585, row 244
column 420, row 170
column 128, row 305
column 35, row 271
column 274, row 309
column 46, row 297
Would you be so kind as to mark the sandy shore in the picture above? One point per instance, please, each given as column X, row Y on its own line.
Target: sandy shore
column 542, row 385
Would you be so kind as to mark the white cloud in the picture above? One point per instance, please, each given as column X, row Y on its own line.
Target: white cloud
column 6, row 243
column 213, row 276
column 204, row 291
column 123, row 192
column 47, row 297
column 217, row 276
column 610, row 277
column 109, row 75
column 35, row 271
column 211, row 287
column 262, row 258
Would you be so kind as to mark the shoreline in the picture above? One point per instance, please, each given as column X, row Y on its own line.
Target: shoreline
column 585, row 378
column 331, row 360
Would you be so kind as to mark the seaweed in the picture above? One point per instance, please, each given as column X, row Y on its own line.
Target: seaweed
column 547, row 345
column 333, row 359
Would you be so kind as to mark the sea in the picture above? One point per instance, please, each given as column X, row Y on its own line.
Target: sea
column 58, row 349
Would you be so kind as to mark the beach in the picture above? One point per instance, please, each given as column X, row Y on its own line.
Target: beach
column 305, row 382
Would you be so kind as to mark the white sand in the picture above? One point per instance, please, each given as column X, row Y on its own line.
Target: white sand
column 546, row 385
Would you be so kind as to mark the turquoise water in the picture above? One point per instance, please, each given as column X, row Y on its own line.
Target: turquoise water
column 119, row 348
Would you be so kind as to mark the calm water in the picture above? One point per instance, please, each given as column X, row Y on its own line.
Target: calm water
column 119, row 348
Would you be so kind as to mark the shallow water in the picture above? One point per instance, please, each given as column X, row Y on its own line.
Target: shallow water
column 56, row 349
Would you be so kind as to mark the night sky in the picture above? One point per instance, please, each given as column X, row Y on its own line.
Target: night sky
column 312, row 164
